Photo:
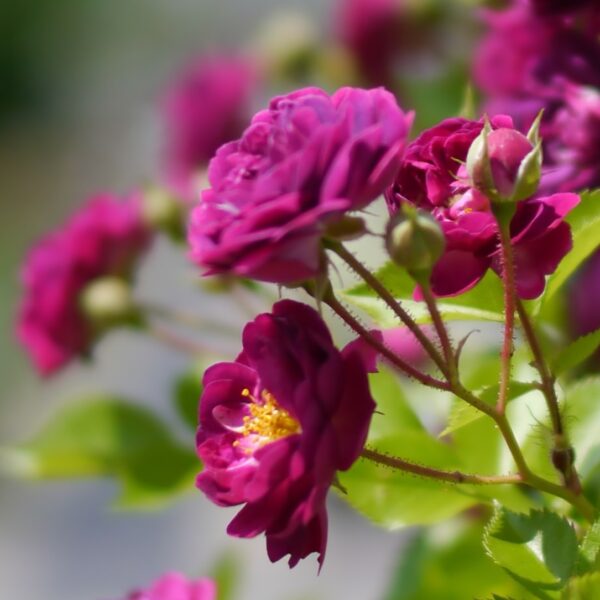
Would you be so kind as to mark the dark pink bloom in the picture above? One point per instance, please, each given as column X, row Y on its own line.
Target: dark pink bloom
column 174, row 586
column 371, row 30
column 206, row 107
column 300, row 166
column 105, row 237
column 433, row 178
column 276, row 425
column 584, row 298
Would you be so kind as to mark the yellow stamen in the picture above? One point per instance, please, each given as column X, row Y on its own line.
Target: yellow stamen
column 267, row 419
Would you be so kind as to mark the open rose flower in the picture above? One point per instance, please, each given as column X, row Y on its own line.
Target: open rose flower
column 104, row 238
column 174, row 586
column 207, row 106
column 300, row 166
column 276, row 425
column 432, row 177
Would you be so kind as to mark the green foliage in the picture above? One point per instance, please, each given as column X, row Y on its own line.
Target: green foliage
column 584, row 220
column 226, row 574
column 105, row 436
column 575, row 353
column 539, row 549
column 462, row 413
column 583, row 588
column 482, row 303
column 391, row 498
column 589, row 552
column 455, row 569
column 188, row 389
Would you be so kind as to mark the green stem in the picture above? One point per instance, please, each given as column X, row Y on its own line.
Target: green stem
column 563, row 452
column 508, row 279
column 375, row 343
column 441, row 330
column 389, row 299
column 431, row 473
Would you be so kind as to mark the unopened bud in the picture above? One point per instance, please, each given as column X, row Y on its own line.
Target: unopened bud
column 162, row 211
column 504, row 164
column 108, row 302
column 415, row 241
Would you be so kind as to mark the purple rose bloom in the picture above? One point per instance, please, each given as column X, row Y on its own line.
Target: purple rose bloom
column 105, row 237
column 584, row 297
column 372, row 32
column 432, row 177
column 300, row 166
column 174, row 586
column 277, row 424
column 206, row 107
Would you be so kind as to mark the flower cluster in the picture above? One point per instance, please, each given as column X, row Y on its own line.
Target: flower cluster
column 298, row 168
column 105, row 238
column 174, row 586
column 276, row 425
column 551, row 63
column 433, row 177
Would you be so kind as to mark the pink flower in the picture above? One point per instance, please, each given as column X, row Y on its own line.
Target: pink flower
column 304, row 162
column 206, row 107
column 371, row 30
column 276, row 425
column 105, row 237
column 174, row 586
column 432, row 177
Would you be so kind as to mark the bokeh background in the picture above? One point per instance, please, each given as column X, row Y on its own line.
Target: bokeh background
column 80, row 82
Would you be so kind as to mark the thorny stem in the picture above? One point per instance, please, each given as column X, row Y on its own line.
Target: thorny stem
column 508, row 279
column 372, row 340
column 441, row 330
column 563, row 459
column 389, row 299
column 451, row 476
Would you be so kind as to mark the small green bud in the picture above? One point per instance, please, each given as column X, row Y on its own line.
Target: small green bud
column 415, row 241
column 108, row 302
column 162, row 211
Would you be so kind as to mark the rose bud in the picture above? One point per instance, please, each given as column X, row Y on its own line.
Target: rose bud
column 504, row 165
column 415, row 241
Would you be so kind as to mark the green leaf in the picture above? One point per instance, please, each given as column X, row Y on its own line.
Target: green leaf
column 482, row 303
column 589, row 551
column 449, row 567
column 462, row 413
column 110, row 437
column 583, row 588
column 226, row 575
column 575, row 353
column 539, row 549
column 584, row 220
column 188, row 389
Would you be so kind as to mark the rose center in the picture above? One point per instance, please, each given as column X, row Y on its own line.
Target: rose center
column 267, row 420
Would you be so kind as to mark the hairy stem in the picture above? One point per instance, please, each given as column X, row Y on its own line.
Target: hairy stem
column 563, row 452
column 440, row 475
column 441, row 330
column 174, row 340
column 375, row 343
column 389, row 299
column 508, row 279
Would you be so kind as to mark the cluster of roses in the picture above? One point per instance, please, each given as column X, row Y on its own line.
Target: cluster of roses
column 276, row 424
column 292, row 410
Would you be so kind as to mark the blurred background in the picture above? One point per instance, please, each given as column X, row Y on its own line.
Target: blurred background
column 80, row 89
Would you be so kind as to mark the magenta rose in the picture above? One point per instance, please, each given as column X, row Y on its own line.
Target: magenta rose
column 276, row 425
column 372, row 32
column 433, row 177
column 105, row 237
column 300, row 166
column 584, row 297
column 174, row 586
column 207, row 106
